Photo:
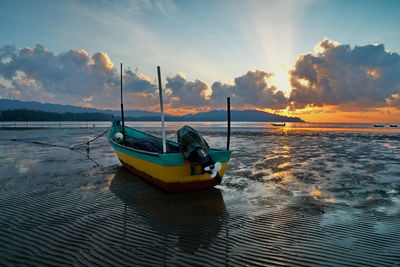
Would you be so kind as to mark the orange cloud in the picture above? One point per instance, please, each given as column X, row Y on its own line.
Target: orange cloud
column 374, row 73
column 185, row 111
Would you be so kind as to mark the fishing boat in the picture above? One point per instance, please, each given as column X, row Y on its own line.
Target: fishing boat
column 379, row 125
column 279, row 124
column 187, row 165
column 393, row 125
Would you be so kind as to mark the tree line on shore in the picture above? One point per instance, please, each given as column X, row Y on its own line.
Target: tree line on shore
column 36, row 115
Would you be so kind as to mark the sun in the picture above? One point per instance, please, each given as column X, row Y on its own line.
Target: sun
column 281, row 79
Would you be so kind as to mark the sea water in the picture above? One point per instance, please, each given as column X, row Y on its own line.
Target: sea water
column 304, row 194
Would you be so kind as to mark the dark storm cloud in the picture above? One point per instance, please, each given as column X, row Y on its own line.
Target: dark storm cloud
column 363, row 76
column 250, row 89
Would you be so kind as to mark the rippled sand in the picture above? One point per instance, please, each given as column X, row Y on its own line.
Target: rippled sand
column 289, row 197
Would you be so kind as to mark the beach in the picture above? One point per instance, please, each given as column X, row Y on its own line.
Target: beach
column 327, row 195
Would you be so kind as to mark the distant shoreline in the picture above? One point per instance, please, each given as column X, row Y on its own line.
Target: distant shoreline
column 25, row 115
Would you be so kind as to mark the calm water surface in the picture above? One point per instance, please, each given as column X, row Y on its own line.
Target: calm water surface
column 302, row 195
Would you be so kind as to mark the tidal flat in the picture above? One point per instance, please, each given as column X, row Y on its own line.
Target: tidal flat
column 290, row 197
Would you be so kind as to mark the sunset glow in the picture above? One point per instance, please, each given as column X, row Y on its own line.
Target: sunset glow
column 200, row 132
column 332, row 114
column 282, row 57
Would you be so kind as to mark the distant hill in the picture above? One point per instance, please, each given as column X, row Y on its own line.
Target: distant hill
column 17, row 107
column 7, row 104
column 240, row 115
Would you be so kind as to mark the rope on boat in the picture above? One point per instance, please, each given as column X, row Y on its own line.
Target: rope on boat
column 53, row 145
column 73, row 148
column 88, row 142
column 39, row 143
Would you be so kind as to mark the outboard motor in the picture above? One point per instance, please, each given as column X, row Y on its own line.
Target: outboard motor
column 115, row 122
column 195, row 149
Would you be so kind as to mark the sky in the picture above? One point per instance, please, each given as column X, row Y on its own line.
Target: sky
column 321, row 60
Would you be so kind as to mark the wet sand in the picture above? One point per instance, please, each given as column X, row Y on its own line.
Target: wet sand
column 291, row 198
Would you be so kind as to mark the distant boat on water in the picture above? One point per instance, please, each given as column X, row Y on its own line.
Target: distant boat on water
column 279, row 124
column 379, row 125
column 393, row 125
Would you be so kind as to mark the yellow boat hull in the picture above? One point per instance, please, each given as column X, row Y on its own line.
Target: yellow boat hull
column 170, row 178
column 166, row 174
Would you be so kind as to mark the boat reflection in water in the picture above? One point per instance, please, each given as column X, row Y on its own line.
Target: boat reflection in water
column 194, row 219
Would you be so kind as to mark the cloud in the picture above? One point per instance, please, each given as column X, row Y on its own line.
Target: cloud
column 2, row 91
column 250, row 89
column 394, row 101
column 138, row 83
column 186, row 94
column 336, row 75
column 71, row 77
column 351, row 78
column 76, row 77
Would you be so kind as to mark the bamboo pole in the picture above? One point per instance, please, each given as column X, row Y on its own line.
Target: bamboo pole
column 162, row 110
column 228, row 109
column 122, row 112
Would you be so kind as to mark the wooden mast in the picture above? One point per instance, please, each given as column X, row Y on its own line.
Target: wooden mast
column 228, row 110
